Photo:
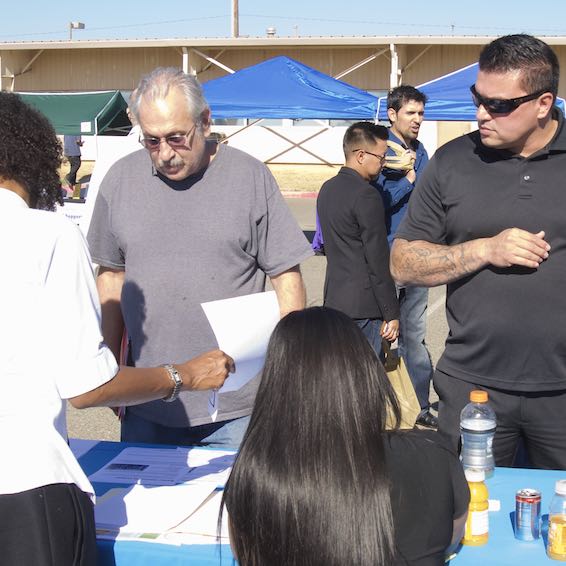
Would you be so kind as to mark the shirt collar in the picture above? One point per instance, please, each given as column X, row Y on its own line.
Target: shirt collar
column 11, row 200
column 394, row 138
column 345, row 170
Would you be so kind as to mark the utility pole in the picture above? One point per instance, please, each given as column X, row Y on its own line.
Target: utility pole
column 235, row 19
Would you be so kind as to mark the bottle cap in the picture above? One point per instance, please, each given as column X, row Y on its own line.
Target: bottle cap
column 478, row 396
column 476, row 475
column 560, row 487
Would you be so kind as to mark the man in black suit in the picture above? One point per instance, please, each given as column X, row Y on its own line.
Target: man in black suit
column 352, row 219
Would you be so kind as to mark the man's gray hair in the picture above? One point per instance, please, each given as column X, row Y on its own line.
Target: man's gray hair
column 157, row 85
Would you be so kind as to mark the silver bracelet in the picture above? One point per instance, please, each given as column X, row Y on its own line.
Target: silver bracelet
column 177, row 383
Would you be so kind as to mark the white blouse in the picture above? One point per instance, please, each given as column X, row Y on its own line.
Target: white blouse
column 50, row 343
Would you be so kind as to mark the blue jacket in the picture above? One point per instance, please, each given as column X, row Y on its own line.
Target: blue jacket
column 395, row 189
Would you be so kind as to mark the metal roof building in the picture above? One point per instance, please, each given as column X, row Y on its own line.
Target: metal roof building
column 374, row 63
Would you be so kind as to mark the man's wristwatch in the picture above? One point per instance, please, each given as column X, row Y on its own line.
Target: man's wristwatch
column 177, row 383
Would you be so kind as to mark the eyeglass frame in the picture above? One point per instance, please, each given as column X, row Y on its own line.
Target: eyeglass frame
column 381, row 158
column 167, row 139
column 509, row 104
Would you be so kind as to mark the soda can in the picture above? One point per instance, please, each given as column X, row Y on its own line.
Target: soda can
column 527, row 514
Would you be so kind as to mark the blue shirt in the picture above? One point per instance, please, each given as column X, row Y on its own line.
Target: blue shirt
column 396, row 189
column 70, row 146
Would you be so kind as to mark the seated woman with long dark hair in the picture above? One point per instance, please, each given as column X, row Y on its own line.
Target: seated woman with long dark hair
column 318, row 479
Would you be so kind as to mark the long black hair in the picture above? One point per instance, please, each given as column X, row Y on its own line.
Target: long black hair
column 310, row 484
column 30, row 153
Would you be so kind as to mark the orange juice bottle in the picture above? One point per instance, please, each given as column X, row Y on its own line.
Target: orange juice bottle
column 477, row 523
column 556, row 548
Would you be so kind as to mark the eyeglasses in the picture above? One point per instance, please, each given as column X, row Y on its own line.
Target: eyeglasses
column 175, row 141
column 502, row 105
column 380, row 157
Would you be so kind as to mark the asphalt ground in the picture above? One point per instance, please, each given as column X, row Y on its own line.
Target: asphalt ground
column 103, row 425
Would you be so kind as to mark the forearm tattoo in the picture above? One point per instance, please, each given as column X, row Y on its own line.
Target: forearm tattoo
column 423, row 263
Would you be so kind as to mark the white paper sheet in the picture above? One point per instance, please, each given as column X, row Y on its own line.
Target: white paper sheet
column 148, row 466
column 208, row 466
column 242, row 326
column 167, row 466
column 142, row 509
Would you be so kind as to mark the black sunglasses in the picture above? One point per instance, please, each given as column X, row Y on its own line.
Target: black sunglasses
column 502, row 105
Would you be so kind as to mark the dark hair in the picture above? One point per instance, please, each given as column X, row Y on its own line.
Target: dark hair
column 362, row 133
column 30, row 153
column 310, row 483
column 537, row 62
column 401, row 95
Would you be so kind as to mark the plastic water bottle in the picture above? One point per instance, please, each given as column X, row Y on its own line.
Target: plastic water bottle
column 477, row 428
column 477, row 523
column 556, row 548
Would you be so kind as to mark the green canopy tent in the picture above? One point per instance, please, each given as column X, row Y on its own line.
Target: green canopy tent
column 84, row 113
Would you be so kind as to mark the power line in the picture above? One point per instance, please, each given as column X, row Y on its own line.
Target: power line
column 453, row 27
column 103, row 28
column 559, row 31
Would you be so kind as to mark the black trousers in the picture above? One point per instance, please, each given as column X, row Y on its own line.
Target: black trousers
column 535, row 420
column 47, row 526
column 75, row 163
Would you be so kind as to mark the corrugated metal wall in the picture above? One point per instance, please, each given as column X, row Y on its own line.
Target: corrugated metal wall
column 120, row 68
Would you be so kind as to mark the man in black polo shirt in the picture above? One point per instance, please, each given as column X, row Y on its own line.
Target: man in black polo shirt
column 488, row 218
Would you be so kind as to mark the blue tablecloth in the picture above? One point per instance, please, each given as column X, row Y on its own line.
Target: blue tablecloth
column 502, row 548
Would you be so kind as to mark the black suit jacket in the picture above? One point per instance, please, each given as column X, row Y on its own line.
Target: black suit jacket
column 358, row 281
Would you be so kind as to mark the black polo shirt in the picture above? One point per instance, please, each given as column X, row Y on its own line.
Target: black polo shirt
column 507, row 325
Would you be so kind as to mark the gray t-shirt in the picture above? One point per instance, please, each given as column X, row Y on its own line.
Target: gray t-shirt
column 212, row 236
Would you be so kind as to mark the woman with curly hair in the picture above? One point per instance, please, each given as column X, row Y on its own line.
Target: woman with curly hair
column 48, row 298
column 318, row 479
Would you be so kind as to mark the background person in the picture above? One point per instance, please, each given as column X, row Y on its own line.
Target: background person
column 46, row 514
column 178, row 223
column 72, row 150
column 487, row 219
column 405, row 110
column 318, row 480
column 352, row 220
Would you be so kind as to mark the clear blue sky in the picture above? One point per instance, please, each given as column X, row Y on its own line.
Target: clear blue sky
column 126, row 19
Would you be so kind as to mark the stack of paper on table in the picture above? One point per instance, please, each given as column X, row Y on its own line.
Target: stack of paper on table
column 174, row 485
column 141, row 509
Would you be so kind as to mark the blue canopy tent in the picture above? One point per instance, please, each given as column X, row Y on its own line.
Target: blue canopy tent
column 449, row 97
column 284, row 88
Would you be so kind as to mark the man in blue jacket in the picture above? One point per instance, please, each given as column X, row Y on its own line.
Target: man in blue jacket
column 406, row 159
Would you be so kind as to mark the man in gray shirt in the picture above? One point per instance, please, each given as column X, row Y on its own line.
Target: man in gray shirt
column 179, row 223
